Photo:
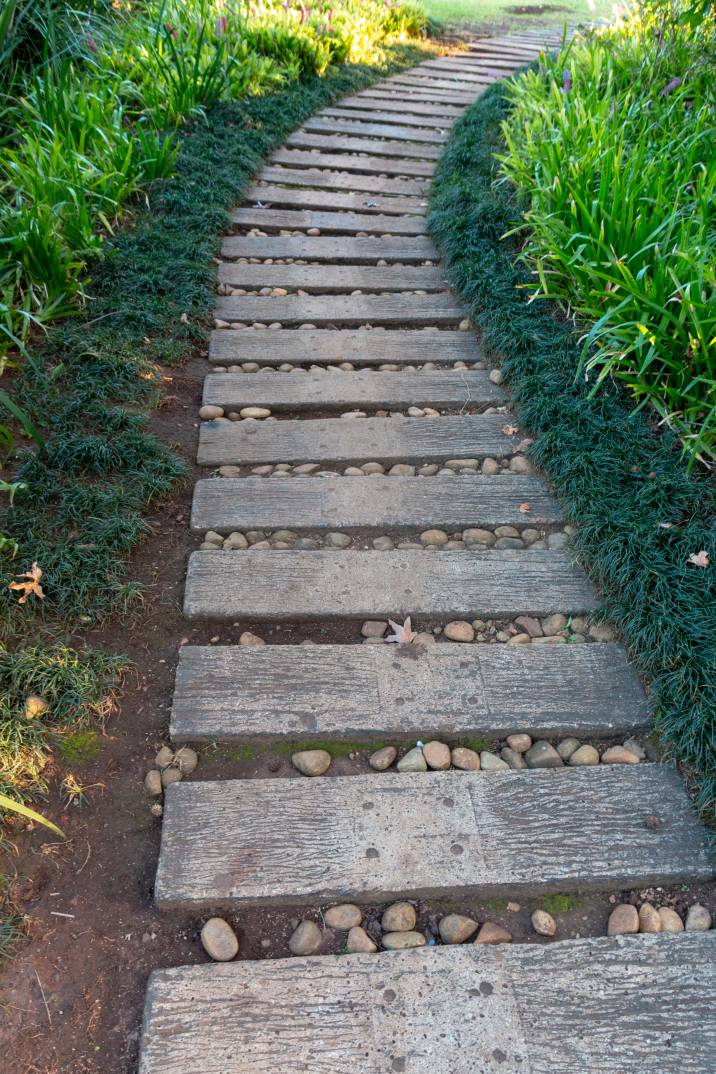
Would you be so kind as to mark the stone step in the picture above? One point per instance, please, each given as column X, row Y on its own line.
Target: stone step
column 333, row 223
column 472, row 63
column 384, row 102
column 350, row 585
column 346, row 441
column 468, row 73
column 424, row 94
column 623, row 1005
column 394, row 504
column 344, row 143
column 413, row 81
column 328, row 279
column 429, row 122
column 343, row 310
column 316, row 390
column 371, row 838
column 345, row 250
column 312, row 389
column 307, row 198
column 366, row 164
column 515, row 54
column 341, row 180
column 374, row 347
column 392, row 130
column 398, row 693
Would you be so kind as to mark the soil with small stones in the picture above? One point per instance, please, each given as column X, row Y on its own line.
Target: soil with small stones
column 72, row 997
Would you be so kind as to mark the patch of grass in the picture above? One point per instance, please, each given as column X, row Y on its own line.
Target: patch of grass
column 478, row 744
column 236, row 754
column 559, row 904
column 76, row 686
column 620, row 480
column 79, row 747
column 338, row 748
column 495, row 906
column 12, row 929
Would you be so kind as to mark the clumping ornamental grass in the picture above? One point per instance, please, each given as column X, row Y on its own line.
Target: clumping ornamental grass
column 641, row 514
column 611, row 146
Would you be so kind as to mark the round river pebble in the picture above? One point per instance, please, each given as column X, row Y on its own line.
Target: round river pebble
column 219, row 940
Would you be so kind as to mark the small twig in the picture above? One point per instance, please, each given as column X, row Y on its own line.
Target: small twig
column 89, row 852
column 42, row 993
column 58, row 913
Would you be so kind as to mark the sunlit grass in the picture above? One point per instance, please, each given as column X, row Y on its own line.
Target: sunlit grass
column 612, row 147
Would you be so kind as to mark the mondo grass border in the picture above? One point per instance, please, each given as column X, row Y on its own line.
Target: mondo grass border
column 623, row 482
column 88, row 383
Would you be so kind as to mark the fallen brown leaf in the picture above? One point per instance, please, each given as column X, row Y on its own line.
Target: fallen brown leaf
column 510, row 430
column 525, row 508
column 31, row 585
column 700, row 559
column 403, row 635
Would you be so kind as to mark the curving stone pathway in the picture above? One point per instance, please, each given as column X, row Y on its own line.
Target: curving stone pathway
column 359, row 444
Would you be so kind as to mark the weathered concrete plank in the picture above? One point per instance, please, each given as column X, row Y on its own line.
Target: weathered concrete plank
column 328, row 279
column 385, row 102
column 366, row 164
column 451, row 98
column 356, row 440
column 343, row 113
column 627, row 1005
column 341, row 180
column 345, row 143
column 426, row 835
column 473, row 62
column 345, row 250
column 475, row 70
column 396, row 504
column 367, row 129
column 336, row 223
column 314, row 389
column 374, row 692
column 412, row 82
column 344, row 310
column 347, row 345
column 307, row 198
column 329, row 585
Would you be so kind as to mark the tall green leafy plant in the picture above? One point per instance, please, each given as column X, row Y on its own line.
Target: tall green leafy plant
column 612, row 147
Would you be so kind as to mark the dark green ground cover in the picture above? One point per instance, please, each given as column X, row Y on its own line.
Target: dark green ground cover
column 640, row 514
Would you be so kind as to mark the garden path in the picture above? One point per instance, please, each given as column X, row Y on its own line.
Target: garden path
column 334, row 313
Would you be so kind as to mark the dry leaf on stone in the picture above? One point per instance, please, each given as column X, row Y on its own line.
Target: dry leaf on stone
column 700, row 559
column 404, row 634
column 525, row 508
column 510, row 430
column 31, row 585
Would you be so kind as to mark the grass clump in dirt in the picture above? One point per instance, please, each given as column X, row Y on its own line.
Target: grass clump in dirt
column 642, row 517
column 44, row 691
column 12, row 930
column 79, row 747
column 338, row 749
column 559, row 904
